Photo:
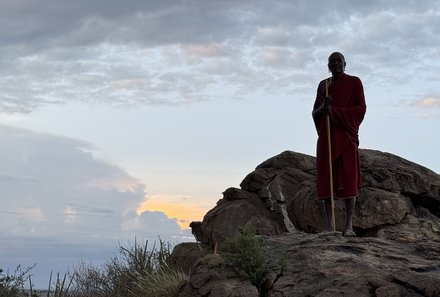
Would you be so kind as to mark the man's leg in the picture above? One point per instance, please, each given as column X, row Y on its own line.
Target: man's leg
column 349, row 211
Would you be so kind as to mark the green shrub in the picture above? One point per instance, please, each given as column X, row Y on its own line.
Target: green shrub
column 248, row 255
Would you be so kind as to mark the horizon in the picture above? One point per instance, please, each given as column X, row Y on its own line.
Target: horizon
column 128, row 120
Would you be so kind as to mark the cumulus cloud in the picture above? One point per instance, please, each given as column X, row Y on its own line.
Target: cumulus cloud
column 61, row 204
column 174, row 206
column 54, row 187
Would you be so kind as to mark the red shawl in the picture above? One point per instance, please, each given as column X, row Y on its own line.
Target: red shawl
column 347, row 112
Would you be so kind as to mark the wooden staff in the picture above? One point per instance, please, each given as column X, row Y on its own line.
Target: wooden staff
column 330, row 164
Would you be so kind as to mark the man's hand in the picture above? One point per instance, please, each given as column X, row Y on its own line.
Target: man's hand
column 325, row 106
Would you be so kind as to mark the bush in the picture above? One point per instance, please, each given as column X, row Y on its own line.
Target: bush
column 12, row 285
column 135, row 271
column 165, row 282
column 131, row 273
column 248, row 255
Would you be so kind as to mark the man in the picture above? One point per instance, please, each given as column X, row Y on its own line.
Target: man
column 344, row 104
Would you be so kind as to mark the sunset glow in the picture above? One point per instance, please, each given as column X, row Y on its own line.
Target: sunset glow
column 173, row 207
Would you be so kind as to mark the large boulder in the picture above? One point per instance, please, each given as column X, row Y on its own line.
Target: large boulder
column 279, row 197
column 238, row 208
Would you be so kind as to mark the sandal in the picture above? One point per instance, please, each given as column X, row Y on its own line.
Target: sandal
column 349, row 233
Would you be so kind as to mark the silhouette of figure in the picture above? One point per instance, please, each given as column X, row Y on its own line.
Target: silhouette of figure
column 345, row 106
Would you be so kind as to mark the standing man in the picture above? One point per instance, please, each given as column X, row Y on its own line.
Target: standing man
column 344, row 104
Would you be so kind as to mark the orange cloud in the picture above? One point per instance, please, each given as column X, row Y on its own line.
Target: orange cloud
column 428, row 102
column 173, row 207
column 203, row 51
column 33, row 214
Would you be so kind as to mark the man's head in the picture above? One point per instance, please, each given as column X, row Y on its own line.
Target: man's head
column 336, row 63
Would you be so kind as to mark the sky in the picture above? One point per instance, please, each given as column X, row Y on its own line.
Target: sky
column 128, row 119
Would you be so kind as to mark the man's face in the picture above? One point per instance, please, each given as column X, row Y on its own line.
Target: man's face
column 336, row 63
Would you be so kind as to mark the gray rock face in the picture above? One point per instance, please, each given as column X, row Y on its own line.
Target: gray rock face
column 211, row 277
column 237, row 209
column 396, row 253
column 186, row 254
column 328, row 264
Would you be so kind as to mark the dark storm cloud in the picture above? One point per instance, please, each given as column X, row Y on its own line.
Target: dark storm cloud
column 156, row 23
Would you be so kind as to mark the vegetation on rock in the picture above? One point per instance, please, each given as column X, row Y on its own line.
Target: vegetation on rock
column 248, row 255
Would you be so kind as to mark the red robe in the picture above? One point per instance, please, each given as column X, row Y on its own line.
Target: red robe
column 347, row 112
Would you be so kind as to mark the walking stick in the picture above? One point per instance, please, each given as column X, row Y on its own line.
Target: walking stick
column 330, row 164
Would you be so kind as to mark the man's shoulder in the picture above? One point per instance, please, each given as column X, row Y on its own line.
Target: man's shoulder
column 322, row 82
column 353, row 78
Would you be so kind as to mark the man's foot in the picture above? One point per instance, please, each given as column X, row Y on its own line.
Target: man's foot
column 349, row 233
column 326, row 231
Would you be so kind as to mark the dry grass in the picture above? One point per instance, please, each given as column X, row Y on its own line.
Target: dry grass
column 135, row 271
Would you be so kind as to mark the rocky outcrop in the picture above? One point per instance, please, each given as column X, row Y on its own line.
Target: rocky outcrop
column 396, row 253
column 328, row 264
column 279, row 196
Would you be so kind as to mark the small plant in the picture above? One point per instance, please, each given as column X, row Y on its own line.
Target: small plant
column 164, row 282
column 248, row 254
column 61, row 288
column 12, row 285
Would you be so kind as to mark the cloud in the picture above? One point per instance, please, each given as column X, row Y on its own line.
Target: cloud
column 174, row 207
column 429, row 116
column 181, row 52
column 62, row 202
column 428, row 107
column 150, row 220
column 55, row 186
column 427, row 102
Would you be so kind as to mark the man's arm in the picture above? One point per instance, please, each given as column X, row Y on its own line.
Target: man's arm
column 321, row 106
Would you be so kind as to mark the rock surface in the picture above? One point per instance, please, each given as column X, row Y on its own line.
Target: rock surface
column 279, row 196
column 328, row 264
column 211, row 276
column 396, row 253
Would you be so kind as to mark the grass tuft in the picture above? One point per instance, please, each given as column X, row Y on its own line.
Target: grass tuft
column 164, row 282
